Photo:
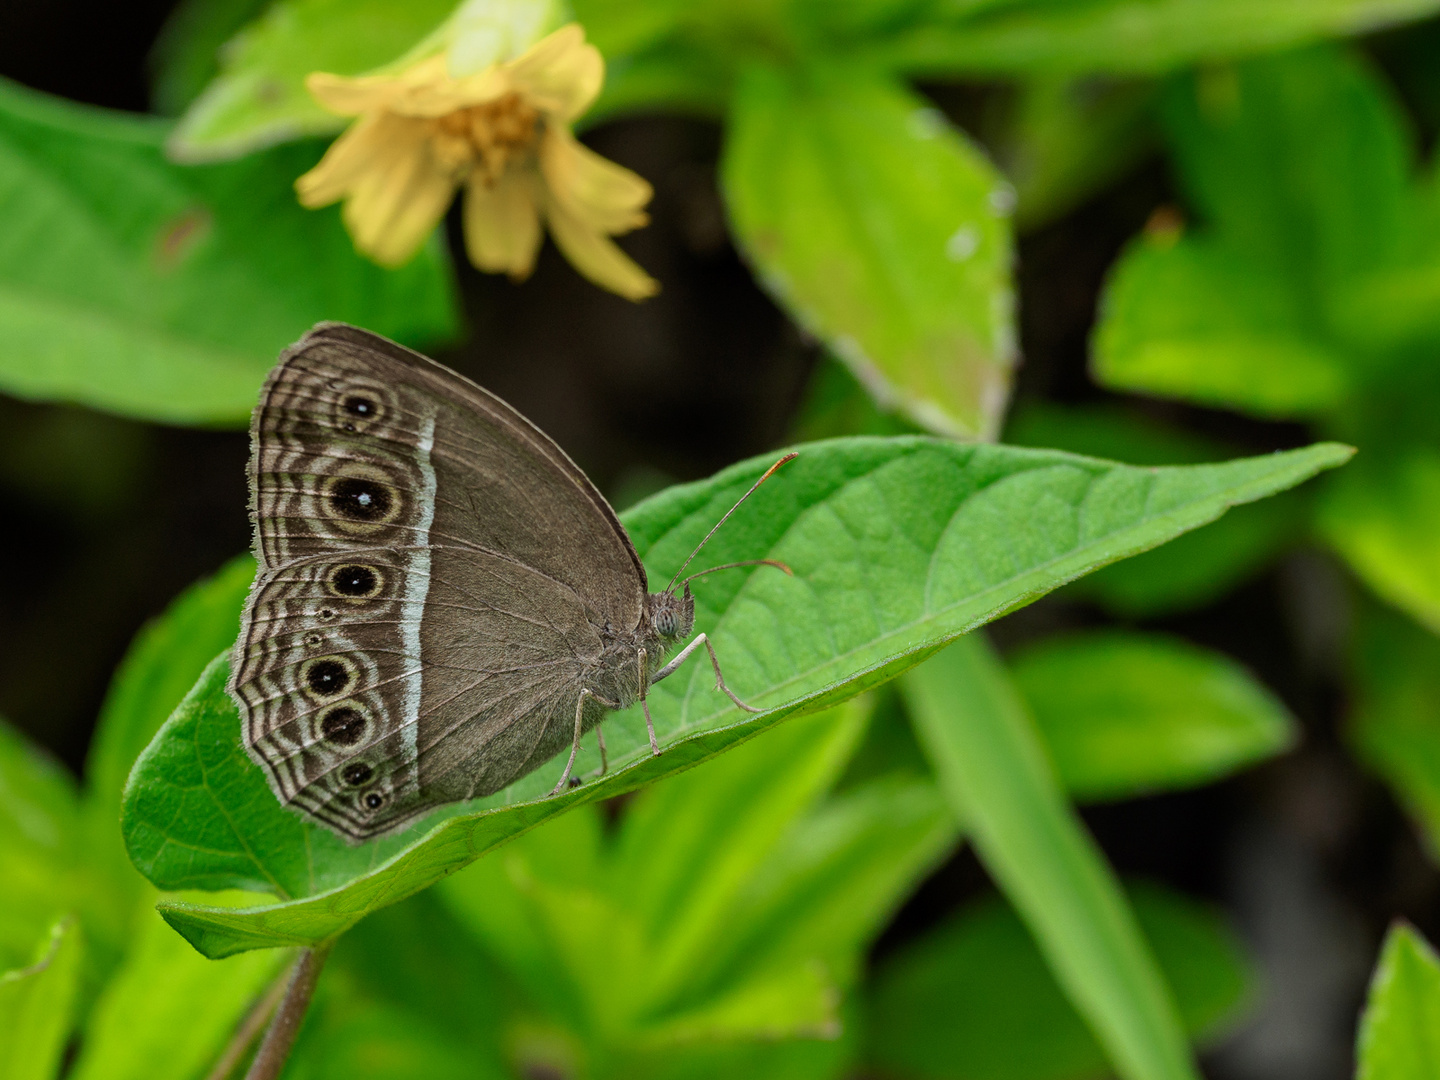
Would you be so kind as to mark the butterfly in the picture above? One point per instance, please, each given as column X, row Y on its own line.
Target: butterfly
column 444, row 601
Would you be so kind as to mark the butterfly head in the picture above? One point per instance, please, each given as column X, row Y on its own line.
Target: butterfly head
column 672, row 617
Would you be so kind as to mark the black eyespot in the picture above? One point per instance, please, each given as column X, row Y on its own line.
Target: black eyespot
column 327, row 678
column 374, row 800
column 326, row 613
column 356, row 773
column 359, row 499
column 355, row 580
column 343, row 726
column 314, row 641
column 361, row 406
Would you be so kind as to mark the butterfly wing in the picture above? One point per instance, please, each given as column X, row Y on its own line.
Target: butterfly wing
column 435, row 580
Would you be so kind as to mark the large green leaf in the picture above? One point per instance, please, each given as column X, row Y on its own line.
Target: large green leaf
column 992, row 768
column 145, row 288
column 259, row 97
column 1400, row 1030
column 1395, row 725
column 883, row 231
column 972, row 999
column 168, row 1012
column 1125, row 713
column 36, row 1004
column 1192, row 570
column 898, row 546
column 1131, row 36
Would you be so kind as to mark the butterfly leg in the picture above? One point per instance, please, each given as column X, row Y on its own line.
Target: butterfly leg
column 645, row 706
column 604, row 759
column 684, row 654
column 575, row 745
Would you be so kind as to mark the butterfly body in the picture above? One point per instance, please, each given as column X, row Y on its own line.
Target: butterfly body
column 444, row 601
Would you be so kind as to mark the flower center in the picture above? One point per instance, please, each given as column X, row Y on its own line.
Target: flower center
column 488, row 136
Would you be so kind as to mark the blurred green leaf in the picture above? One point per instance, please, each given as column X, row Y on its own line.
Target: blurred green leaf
column 1129, row 36
column 38, row 831
column 992, row 769
column 973, row 999
column 36, row 1004
column 1400, row 1029
column 375, row 1040
column 1395, row 725
column 1385, row 518
column 140, row 287
column 259, row 99
column 1187, row 318
column 883, row 231
column 168, row 1012
column 898, row 545
column 1192, row 570
column 1125, row 713
column 186, row 53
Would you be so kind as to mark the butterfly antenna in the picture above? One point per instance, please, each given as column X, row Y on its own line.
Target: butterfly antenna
column 768, row 473
column 732, row 565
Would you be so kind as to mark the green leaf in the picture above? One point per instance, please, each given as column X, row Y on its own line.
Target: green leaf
column 1400, row 1029
column 1395, row 727
column 1188, row 318
column 883, row 231
column 144, row 288
column 259, row 98
column 992, row 769
column 36, row 1004
column 38, row 832
column 1384, row 520
column 1124, row 713
column 898, row 546
column 973, row 1000
column 1131, row 36
column 1194, row 569
column 168, row 1012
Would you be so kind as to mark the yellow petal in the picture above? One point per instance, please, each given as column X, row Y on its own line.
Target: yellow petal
column 597, row 257
column 397, row 202
column 364, row 142
column 606, row 197
column 424, row 90
column 560, row 74
column 502, row 223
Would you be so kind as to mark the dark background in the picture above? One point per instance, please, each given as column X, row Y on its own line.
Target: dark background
column 108, row 519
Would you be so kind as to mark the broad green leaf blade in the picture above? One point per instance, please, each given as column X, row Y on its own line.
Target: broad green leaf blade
column 144, row 288
column 36, row 1003
column 1400, row 1029
column 186, row 53
column 260, row 99
column 898, row 546
column 1194, row 569
column 1188, row 318
column 991, row 766
column 39, row 830
column 1132, row 37
column 168, row 1013
column 883, row 231
column 1395, row 727
column 1385, row 518
column 973, row 1000
column 1124, row 713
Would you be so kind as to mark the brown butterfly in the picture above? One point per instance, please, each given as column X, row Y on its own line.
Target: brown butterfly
column 444, row 600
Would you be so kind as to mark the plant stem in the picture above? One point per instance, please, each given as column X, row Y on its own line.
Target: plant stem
column 249, row 1028
column 280, row 1037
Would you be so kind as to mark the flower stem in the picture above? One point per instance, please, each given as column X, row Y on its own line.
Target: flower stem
column 280, row 1037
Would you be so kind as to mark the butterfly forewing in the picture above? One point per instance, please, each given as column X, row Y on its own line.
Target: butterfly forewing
column 421, row 622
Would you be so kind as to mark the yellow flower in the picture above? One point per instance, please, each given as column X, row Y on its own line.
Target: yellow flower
column 503, row 133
